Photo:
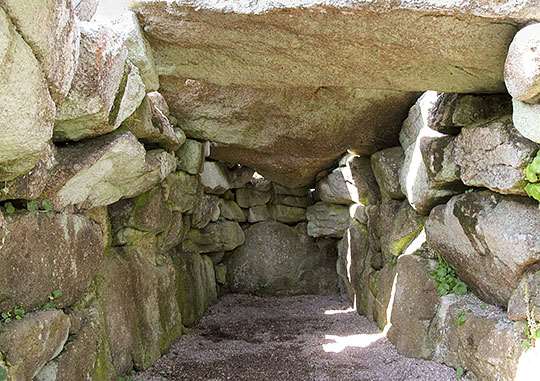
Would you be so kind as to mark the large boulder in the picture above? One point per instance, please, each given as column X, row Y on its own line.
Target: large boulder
column 490, row 239
column 102, row 171
column 522, row 69
column 494, row 155
column 42, row 253
column 27, row 110
column 28, row 344
column 281, row 260
column 85, row 111
column 355, row 44
column 288, row 135
column 51, row 29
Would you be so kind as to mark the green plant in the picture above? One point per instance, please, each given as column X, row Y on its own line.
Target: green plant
column 16, row 313
column 9, row 208
column 446, row 279
column 532, row 329
column 459, row 373
column 532, row 175
column 461, row 318
column 32, row 206
column 53, row 296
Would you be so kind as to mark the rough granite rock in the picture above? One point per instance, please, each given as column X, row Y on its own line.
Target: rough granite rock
column 386, row 166
column 218, row 236
column 370, row 44
column 522, row 69
column 287, row 134
column 214, row 177
column 26, row 108
column 413, row 306
column 494, row 155
column 51, row 29
column 526, row 118
column 85, row 111
column 490, row 239
column 139, row 51
column 196, row 285
column 28, row 344
column 249, row 197
column 277, row 259
column 101, row 171
column 130, row 95
column 258, row 214
column 43, row 252
column 31, row 185
column 191, row 157
column 526, row 298
column 486, row 343
column 150, row 125
column 182, row 191
column 398, row 228
column 85, row 9
column 327, row 220
column 205, row 211
column 231, row 211
column 288, row 214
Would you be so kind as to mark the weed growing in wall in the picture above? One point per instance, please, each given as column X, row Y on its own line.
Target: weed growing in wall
column 532, row 175
column 16, row 313
column 447, row 280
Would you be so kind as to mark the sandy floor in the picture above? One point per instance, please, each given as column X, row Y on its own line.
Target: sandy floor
column 295, row 338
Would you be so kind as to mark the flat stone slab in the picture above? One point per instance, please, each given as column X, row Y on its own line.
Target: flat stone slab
column 452, row 46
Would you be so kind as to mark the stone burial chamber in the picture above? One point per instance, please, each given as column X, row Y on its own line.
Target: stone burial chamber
column 158, row 157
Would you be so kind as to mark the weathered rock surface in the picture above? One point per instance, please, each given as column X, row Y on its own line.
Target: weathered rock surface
column 231, row 211
column 28, row 344
column 214, row 178
column 102, row 171
column 218, row 236
column 85, row 111
column 490, row 239
column 398, row 227
column 477, row 337
column 287, row 134
column 131, row 94
column 250, row 197
column 44, row 252
column 258, row 214
column 52, row 31
column 525, row 300
column 281, row 260
column 352, row 252
column 386, row 165
column 85, row 9
column 191, row 157
column 182, row 191
column 494, row 155
column 139, row 51
column 526, row 118
column 327, row 220
column 413, row 306
column 26, row 108
column 196, row 285
column 288, row 214
column 206, row 211
column 522, row 69
column 436, row 46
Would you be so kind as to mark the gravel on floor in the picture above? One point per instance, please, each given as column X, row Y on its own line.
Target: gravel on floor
column 288, row 338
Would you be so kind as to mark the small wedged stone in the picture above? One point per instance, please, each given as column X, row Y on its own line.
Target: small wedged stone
column 327, row 220
column 386, row 166
column 494, row 155
column 206, row 211
column 250, row 197
column 526, row 118
column 24, row 136
column 230, row 210
column 43, row 252
column 52, row 31
column 130, row 95
column 86, row 109
column 288, row 214
column 150, row 125
column 398, row 230
column 191, row 157
column 522, row 68
column 217, row 236
column 101, row 171
column 277, row 259
column 28, row 344
column 490, row 239
column 214, row 178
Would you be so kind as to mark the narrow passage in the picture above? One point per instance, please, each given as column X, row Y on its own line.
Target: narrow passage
column 290, row 338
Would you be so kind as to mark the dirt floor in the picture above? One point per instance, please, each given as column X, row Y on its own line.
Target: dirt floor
column 293, row 338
